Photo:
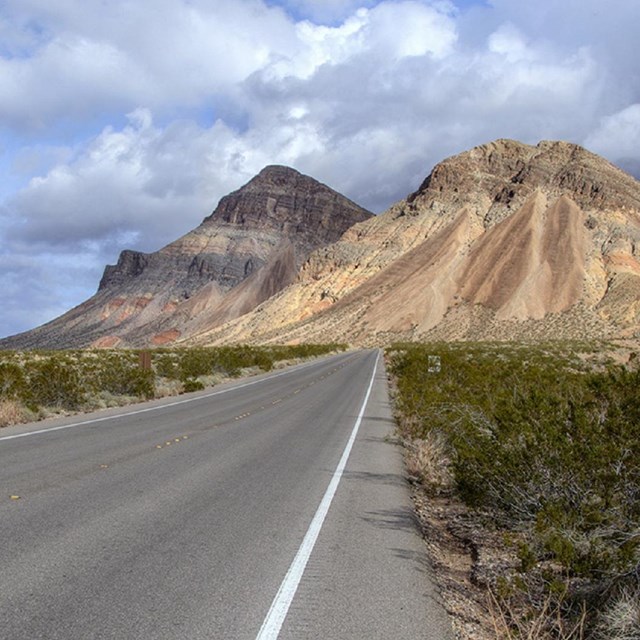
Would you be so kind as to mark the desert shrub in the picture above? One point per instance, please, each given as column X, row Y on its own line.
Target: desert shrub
column 13, row 412
column 81, row 378
column 120, row 374
column 13, row 383
column 186, row 364
column 263, row 360
column 55, row 383
column 192, row 363
column 548, row 447
column 620, row 619
column 196, row 362
column 190, row 385
column 427, row 460
column 288, row 352
column 166, row 364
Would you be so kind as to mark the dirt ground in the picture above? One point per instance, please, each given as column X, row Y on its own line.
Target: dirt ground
column 467, row 558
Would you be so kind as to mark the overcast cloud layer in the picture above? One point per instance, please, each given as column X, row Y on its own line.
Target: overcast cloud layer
column 122, row 124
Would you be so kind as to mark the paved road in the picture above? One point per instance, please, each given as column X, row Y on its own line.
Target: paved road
column 182, row 518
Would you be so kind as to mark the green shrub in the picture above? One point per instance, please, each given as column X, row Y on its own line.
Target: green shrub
column 13, row 384
column 54, row 383
column 127, row 379
column 190, row 385
column 69, row 379
column 546, row 445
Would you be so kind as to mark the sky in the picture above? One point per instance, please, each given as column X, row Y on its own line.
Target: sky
column 123, row 122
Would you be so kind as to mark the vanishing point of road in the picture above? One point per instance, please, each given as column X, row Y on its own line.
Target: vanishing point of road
column 271, row 507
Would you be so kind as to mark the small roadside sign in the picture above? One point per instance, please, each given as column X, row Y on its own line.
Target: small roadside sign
column 434, row 365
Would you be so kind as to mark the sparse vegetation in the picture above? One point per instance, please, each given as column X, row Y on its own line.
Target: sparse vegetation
column 543, row 444
column 38, row 383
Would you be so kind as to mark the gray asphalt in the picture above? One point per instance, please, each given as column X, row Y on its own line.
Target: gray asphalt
column 180, row 518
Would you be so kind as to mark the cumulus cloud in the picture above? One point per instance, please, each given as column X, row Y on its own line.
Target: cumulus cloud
column 379, row 108
column 91, row 57
column 139, row 182
column 124, row 127
column 618, row 135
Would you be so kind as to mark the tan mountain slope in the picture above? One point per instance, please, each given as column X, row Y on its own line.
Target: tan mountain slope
column 531, row 264
column 501, row 242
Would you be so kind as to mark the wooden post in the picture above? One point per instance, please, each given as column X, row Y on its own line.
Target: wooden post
column 145, row 360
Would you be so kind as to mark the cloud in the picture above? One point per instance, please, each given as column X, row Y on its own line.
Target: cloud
column 123, row 128
column 99, row 57
column 36, row 289
column 389, row 32
column 608, row 31
column 141, row 182
column 382, row 114
column 618, row 138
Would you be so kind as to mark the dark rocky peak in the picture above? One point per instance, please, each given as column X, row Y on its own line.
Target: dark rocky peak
column 279, row 205
column 276, row 175
column 282, row 199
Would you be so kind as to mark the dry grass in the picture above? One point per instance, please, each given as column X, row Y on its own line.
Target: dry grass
column 427, row 461
column 543, row 622
column 12, row 412
column 621, row 620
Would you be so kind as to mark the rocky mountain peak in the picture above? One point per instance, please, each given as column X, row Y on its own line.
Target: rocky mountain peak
column 276, row 175
column 282, row 199
column 504, row 241
column 278, row 204
column 501, row 175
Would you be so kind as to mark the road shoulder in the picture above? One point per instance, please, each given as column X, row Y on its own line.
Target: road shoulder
column 369, row 576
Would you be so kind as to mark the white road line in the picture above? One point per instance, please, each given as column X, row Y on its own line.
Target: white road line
column 157, row 408
column 280, row 606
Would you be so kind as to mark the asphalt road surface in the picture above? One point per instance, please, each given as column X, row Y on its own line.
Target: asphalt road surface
column 270, row 507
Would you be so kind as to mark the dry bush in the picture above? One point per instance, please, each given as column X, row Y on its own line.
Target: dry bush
column 12, row 412
column 535, row 621
column 621, row 619
column 428, row 461
column 168, row 387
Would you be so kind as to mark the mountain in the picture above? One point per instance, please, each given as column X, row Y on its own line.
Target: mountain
column 505, row 241
column 250, row 248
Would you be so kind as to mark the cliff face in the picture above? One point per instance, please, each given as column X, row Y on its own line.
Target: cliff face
column 247, row 250
column 505, row 241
